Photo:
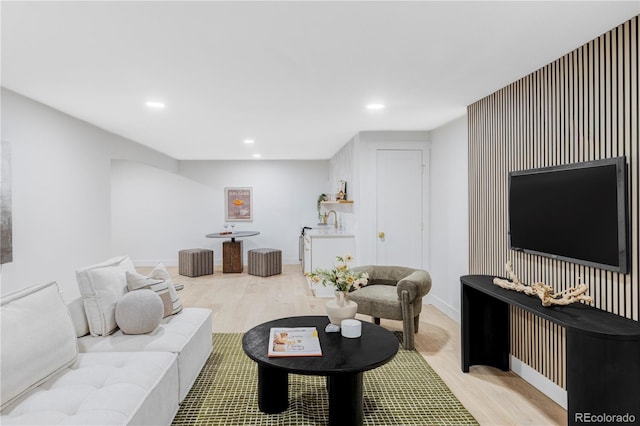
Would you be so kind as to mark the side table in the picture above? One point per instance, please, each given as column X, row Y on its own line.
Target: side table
column 232, row 249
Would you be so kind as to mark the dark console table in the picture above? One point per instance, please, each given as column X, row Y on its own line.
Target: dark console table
column 603, row 349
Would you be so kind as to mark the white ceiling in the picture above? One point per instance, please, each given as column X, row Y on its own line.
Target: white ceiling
column 293, row 76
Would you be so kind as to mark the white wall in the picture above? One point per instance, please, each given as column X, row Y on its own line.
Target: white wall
column 61, row 184
column 449, row 218
column 156, row 213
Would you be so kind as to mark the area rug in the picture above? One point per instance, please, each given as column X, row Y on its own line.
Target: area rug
column 405, row 391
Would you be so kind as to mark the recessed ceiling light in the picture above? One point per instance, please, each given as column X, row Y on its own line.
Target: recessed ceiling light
column 249, row 141
column 375, row 106
column 256, row 156
column 154, row 104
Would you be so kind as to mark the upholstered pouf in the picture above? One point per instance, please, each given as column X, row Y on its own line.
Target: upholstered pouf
column 195, row 262
column 264, row 262
column 139, row 312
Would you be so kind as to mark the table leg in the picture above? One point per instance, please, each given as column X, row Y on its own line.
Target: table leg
column 231, row 256
column 273, row 390
column 485, row 330
column 345, row 399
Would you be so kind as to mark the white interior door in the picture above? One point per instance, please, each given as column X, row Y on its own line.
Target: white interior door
column 399, row 208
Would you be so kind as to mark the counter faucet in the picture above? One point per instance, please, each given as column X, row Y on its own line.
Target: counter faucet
column 335, row 218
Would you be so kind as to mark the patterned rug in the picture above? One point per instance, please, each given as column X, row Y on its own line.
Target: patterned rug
column 405, row 391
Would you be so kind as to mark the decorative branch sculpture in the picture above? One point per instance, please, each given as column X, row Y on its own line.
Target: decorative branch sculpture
column 544, row 291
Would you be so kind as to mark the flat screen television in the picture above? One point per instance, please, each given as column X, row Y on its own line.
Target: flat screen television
column 575, row 212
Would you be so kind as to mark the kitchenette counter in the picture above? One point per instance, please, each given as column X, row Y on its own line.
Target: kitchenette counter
column 328, row 232
column 321, row 248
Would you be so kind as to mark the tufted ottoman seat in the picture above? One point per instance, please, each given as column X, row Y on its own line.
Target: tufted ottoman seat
column 264, row 262
column 103, row 388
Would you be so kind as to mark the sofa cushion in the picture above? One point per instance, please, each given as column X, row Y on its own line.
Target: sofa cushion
column 101, row 286
column 187, row 334
column 38, row 339
column 381, row 301
column 161, row 273
column 103, row 389
column 137, row 281
column 139, row 312
column 78, row 316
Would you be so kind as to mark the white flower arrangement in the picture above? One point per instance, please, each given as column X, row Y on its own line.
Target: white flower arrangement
column 340, row 276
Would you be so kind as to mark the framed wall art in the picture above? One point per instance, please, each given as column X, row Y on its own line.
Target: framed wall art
column 238, row 204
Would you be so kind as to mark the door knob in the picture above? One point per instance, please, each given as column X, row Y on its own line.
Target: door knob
column 380, row 234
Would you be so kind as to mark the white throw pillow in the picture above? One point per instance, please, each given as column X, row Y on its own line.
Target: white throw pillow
column 139, row 312
column 38, row 339
column 101, row 286
column 161, row 273
column 137, row 281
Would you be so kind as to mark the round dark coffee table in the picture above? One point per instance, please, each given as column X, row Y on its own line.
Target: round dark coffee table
column 343, row 362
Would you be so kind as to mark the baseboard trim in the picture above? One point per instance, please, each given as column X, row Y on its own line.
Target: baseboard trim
column 442, row 306
column 216, row 262
column 154, row 262
column 538, row 381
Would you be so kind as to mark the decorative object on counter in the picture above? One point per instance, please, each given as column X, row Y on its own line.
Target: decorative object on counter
column 323, row 218
column 544, row 291
column 344, row 281
column 321, row 198
column 342, row 192
column 238, row 204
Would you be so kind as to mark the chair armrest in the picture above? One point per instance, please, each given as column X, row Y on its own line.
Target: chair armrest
column 418, row 284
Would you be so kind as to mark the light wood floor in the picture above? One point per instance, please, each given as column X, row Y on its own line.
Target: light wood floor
column 494, row 397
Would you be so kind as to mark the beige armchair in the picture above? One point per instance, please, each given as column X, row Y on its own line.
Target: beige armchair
column 393, row 292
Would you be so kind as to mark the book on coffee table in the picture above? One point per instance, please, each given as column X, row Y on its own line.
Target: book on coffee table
column 296, row 341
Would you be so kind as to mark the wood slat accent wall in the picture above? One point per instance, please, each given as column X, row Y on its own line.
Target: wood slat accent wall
column 584, row 106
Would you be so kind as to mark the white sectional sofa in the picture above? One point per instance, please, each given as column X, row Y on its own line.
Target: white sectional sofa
column 53, row 371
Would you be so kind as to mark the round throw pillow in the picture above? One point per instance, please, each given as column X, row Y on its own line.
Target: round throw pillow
column 139, row 312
